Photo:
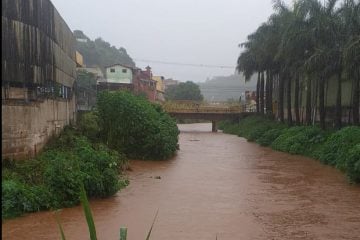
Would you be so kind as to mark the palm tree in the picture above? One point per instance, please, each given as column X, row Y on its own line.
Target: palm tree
column 301, row 48
column 247, row 65
column 350, row 14
column 324, row 61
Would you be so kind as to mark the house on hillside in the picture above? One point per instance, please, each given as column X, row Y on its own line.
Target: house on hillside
column 118, row 77
column 135, row 80
column 119, row 73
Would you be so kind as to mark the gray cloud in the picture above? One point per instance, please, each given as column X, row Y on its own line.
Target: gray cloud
column 185, row 31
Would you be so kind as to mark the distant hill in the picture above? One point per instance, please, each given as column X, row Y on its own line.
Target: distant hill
column 224, row 88
column 99, row 53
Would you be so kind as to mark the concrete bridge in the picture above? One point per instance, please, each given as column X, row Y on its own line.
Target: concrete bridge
column 205, row 111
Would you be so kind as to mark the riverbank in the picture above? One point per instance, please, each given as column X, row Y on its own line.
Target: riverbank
column 52, row 180
column 216, row 184
column 340, row 149
column 94, row 153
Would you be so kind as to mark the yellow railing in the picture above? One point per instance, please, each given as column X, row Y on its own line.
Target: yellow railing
column 201, row 107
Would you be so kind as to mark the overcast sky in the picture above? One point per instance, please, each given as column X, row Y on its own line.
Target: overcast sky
column 183, row 31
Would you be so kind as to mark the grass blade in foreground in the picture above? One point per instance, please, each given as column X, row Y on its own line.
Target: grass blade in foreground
column 59, row 225
column 123, row 233
column 89, row 218
column 152, row 225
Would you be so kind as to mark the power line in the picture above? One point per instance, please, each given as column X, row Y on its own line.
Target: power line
column 185, row 64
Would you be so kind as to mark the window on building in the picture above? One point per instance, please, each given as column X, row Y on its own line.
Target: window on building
column 112, row 69
column 124, row 70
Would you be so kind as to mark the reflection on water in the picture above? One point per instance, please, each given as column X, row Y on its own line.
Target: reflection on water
column 220, row 185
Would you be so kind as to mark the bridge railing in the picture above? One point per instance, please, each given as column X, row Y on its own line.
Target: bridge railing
column 201, row 107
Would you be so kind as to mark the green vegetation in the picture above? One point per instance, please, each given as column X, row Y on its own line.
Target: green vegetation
column 340, row 149
column 184, row 91
column 129, row 125
column 299, row 140
column 132, row 125
column 337, row 148
column 100, row 53
column 88, row 125
column 52, row 179
column 307, row 55
column 85, row 89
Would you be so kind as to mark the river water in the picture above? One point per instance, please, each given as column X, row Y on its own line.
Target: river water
column 217, row 185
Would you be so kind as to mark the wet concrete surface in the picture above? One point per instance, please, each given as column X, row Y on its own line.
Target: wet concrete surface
column 217, row 185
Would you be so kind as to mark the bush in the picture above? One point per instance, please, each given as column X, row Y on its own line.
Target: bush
column 299, row 140
column 12, row 198
column 63, row 177
column 252, row 128
column 89, row 125
column 230, row 128
column 353, row 164
column 336, row 149
column 53, row 179
column 257, row 132
column 18, row 197
column 132, row 125
column 269, row 136
column 96, row 167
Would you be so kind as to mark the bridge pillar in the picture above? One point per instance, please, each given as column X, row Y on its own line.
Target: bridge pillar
column 214, row 126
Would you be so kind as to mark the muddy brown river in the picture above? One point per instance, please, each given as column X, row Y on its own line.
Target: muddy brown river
column 217, row 185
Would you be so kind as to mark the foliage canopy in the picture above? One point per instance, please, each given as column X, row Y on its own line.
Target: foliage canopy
column 134, row 126
column 99, row 53
column 184, row 91
column 53, row 179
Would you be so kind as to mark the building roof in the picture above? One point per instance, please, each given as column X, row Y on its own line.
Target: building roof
column 118, row 64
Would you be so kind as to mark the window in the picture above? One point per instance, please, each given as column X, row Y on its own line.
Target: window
column 112, row 69
column 124, row 70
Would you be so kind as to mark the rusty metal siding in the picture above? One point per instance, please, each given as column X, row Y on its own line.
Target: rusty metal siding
column 38, row 46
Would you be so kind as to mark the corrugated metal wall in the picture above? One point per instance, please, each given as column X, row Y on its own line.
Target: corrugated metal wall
column 38, row 46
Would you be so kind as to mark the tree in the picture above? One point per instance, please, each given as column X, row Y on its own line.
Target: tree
column 350, row 15
column 301, row 48
column 184, row 91
column 99, row 53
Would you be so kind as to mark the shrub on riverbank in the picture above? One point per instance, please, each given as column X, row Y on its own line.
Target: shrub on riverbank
column 340, row 149
column 336, row 149
column 251, row 128
column 299, row 139
column 132, row 125
column 353, row 164
column 88, row 125
column 53, row 179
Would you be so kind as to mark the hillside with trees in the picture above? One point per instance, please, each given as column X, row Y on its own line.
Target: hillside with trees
column 223, row 88
column 99, row 53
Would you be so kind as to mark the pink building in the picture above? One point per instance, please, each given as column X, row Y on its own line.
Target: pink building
column 144, row 84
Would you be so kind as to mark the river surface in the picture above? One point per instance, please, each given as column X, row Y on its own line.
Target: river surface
column 217, row 185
